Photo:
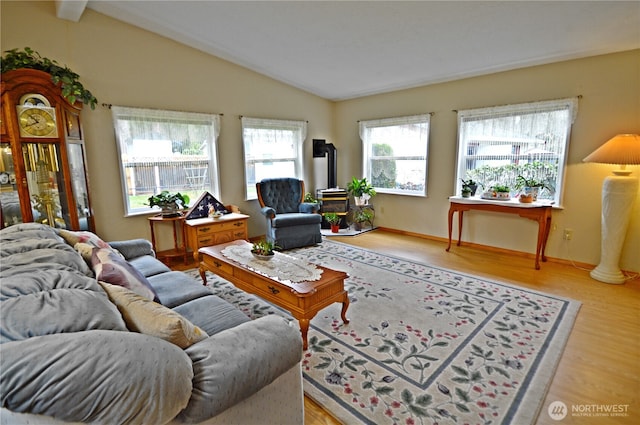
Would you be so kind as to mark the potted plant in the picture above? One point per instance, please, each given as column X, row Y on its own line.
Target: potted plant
column 529, row 187
column 469, row 187
column 334, row 221
column 308, row 197
column 170, row 203
column 361, row 190
column 364, row 215
column 263, row 249
column 72, row 89
column 499, row 192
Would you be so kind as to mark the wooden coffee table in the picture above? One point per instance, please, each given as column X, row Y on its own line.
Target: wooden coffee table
column 302, row 299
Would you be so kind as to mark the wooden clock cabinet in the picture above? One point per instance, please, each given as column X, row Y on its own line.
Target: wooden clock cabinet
column 43, row 175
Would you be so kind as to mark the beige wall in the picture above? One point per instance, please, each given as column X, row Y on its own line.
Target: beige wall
column 127, row 66
column 124, row 65
column 610, row 104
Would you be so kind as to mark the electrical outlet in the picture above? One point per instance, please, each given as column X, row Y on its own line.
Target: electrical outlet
column 568, row 234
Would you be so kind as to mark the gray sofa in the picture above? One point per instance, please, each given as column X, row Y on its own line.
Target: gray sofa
column 67, row 354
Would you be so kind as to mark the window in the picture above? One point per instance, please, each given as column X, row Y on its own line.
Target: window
column 498, row 144
column 395, row 154
column 165, row 150
column 272, row 148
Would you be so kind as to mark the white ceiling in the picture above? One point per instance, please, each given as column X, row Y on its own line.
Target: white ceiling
column 347, row 49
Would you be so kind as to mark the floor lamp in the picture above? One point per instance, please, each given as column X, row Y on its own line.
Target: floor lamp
column 618, row 196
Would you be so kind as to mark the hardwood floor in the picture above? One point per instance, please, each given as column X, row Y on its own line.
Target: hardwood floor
column 601, row 362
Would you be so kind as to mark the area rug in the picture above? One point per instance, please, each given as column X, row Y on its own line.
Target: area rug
column 425, row 345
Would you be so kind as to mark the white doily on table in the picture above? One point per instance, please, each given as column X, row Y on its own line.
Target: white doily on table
column 281, row 267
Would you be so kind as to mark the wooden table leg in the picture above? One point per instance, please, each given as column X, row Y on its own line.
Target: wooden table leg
column 451, row 211
column 546, row 236
column 203, row 274
column 304, row 330
column 460, row 215
column 345, row 306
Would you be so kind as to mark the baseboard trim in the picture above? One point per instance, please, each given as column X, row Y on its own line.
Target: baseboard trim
column 489, row 248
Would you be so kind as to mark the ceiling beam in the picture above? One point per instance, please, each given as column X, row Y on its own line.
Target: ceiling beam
column 70, row 10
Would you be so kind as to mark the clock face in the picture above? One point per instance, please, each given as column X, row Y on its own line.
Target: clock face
column 37, row 122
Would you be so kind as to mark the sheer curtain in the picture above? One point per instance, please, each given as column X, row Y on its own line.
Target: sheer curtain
column 165, row 150
column 395, row 153
column 272, row 148
column 497, row 144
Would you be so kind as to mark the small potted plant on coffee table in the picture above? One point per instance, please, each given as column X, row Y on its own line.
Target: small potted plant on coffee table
column 263, row 249
column 334, row 221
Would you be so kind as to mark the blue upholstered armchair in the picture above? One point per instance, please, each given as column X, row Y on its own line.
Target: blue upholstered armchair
column 291, row 223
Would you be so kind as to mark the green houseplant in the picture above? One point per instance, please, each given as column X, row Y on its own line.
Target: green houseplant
column 364, row 215
column 170, row 203
column 263, row 249
column 469, row 187
column 334, row 221
column 529, row 186
column 72, row 88
column 361, row 190
column 501, row 191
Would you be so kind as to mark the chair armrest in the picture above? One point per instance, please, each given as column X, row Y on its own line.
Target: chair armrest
column 268, row 212
column 309, row 207
column 232, row 365
column 133, row 248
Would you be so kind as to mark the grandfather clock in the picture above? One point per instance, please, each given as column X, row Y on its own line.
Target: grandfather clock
column 43, row 176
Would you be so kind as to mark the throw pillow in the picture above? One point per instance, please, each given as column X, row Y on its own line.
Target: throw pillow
column 72, row 238
column 109, row 267
column 149, row 318
column 85, row 250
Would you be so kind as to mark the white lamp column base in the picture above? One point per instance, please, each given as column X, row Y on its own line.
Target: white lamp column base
column 618, row 196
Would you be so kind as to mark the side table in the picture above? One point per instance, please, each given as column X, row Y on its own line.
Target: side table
column 179, row 249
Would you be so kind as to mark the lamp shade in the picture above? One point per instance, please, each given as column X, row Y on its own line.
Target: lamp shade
column 623, row 149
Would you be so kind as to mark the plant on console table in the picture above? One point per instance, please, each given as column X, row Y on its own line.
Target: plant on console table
column 170, row 203
column 498, row 192
column 361, row 190
column 530, row 188
column 469, row 187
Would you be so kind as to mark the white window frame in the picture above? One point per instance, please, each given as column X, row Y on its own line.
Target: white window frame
column 369, row 126
column 158, row 116
column 271, row 147
column 519, row 138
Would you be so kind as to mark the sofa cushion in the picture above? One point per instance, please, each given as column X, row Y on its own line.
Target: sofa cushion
column 37, row 300
column 28, row 251
column 175, row 288
column 150, row 318
column 295, row 219
column 236, row 363
column 212, row 313
column 148, row 265
column 100, row 377
column 111, row 268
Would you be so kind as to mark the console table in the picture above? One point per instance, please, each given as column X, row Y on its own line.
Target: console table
column 537, row 211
